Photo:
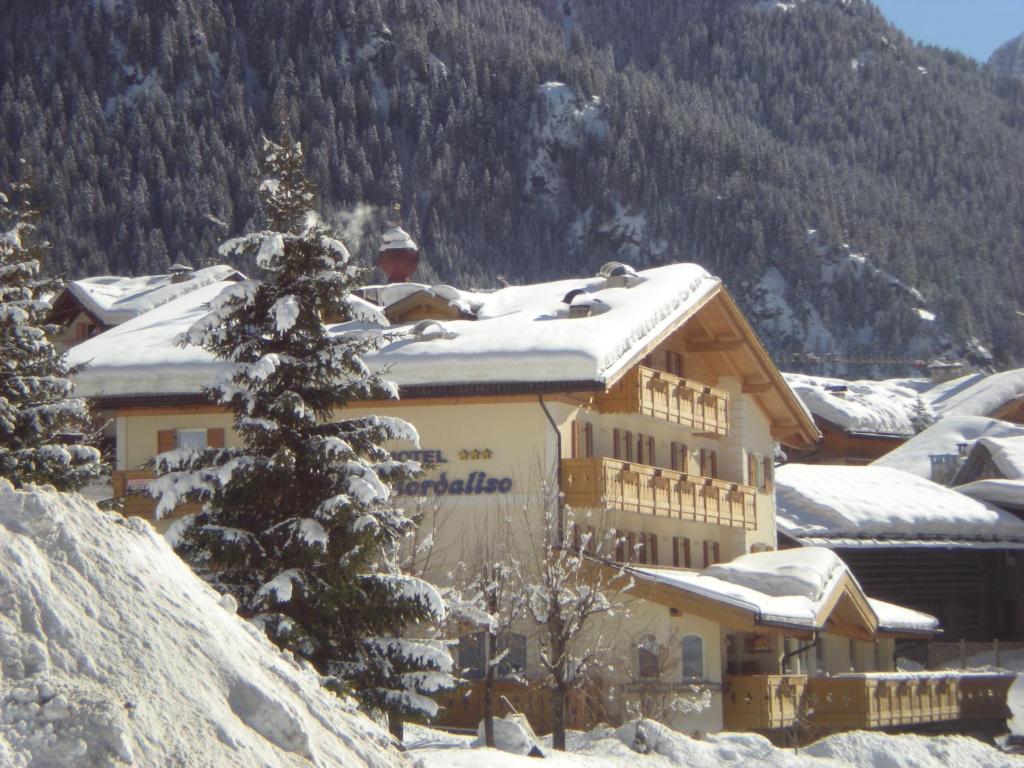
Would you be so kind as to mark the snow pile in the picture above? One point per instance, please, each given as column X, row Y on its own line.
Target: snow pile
column 648, row 744
column 942, row 438
column 977, row 394
column 113, row 300
column 876, row 407
column 113, row 652
column 857, row 503
column 521, row 329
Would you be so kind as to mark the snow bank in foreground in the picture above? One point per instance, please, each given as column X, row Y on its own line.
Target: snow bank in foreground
column 651, row 745
column 112, row 652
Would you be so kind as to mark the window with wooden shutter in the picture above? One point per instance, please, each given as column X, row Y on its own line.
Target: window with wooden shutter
column 686, row 553
column 676, row 544
column 588, row 432
column 166, row 440
column 639, row 449
column 631, row 545
column 714, row 463
column 641, row 548
column 674, row 455
column 716, row 555
column 574, row 443
column 215, row 437
column 650, row 452
column 620, row 548
column 751, row 469
column 704, row 463
column 575, row 537
column 615, row 444
column 707, row 553
column 652, row 543
column 629, row 446
column 769, row 473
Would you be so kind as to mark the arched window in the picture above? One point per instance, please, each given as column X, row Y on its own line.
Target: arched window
column 693, row 658
column 648, row 661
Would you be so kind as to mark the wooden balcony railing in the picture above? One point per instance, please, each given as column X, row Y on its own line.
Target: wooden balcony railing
column 762, row 702
column 864, row 701
column 665, row 396
column 463, row 707
column 611, row 483
column 131, row 484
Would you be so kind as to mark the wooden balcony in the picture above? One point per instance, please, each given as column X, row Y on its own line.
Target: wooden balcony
column 865, row 701
column 130, row 485
column 611, row 483
column 463, row 707
column 762, row 702
column 670, row 398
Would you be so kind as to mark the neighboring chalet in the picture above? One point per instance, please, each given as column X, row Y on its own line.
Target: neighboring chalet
column 859, row 420
column 650, row 401
column 862, row 421
column 85, row 308
column 940, row 451
column 912, row 541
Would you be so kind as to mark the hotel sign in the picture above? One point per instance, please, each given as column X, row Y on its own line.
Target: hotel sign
column 475, row 483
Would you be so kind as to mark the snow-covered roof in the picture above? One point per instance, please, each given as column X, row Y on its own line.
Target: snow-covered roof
column 114, row 300
column 894, row 617
column 998, row 491
column 822, row 502
column 794, row 587
column 1007, row 454
column 875, row 407
column 522, row 334
column 977, row 394
column 943, row 437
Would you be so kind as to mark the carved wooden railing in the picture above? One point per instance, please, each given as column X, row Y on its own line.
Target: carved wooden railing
column 630, row 487
column 670, row 398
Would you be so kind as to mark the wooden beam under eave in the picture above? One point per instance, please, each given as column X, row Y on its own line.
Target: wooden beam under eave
column 718, row 345
column 757, row 387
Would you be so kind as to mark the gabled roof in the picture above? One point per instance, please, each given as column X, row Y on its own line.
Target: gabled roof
column 978, row 394
column 862, row 407
column 943, row 437
column 522, row 340
column 792, row 592
column 112, row 300
column 883, row 506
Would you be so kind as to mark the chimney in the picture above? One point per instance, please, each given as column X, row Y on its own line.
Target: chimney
column 398, row 256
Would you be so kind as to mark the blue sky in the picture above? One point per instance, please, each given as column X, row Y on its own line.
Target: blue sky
column 975, row 27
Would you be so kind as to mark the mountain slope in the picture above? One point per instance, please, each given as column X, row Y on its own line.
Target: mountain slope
column 863, row 196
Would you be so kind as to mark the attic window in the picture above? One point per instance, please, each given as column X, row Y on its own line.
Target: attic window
column 571, row 295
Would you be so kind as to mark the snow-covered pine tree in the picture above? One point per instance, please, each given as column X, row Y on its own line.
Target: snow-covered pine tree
column 296, row 523
column 37, row 412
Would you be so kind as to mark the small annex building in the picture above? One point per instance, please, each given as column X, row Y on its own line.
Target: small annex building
column 910, row 541
column 646, row 397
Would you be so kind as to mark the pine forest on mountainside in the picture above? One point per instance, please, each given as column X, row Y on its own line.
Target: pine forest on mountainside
column 861, row 195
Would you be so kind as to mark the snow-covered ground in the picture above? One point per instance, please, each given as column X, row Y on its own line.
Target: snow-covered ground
column 609, row 748
column 113, row 653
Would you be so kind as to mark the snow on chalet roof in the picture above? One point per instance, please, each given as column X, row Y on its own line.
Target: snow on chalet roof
column 789, row 586
column 876, row 506
column 1008, row 491
column 943, row 438
column 874, row 407
column 895, row 617
column 114, row 300
column 977, row 394
column 521, row 334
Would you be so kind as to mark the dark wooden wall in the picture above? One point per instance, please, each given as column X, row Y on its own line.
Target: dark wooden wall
column 975, row 593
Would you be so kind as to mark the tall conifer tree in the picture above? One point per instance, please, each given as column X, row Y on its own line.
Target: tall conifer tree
column 37, row 412
column 296, row 521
